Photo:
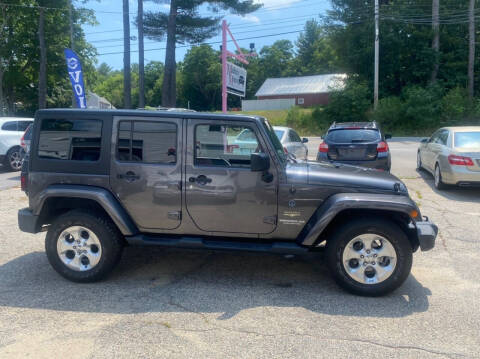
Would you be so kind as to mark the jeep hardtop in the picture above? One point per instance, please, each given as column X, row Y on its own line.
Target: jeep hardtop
column 98, row 180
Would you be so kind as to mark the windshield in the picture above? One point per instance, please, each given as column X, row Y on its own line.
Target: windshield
column 353, row 136
column 279, row 134
column 275, row 141
column 467, row 139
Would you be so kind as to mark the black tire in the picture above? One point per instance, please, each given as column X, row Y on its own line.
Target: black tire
column 383, row 227
column 14, row 154
column 438, row 181
column 419, row 161
column 109, row 236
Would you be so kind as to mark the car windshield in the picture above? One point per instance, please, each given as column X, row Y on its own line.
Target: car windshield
column 467, row 139
column 279, row 134
column 353, row 136
column 275, row 141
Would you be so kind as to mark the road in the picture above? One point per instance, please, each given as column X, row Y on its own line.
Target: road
column 8, row 179
column 179, row 303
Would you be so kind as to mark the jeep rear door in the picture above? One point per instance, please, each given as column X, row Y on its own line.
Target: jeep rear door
column 222, row 193
column 146, row 170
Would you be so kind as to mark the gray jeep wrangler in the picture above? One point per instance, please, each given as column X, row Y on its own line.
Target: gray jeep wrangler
column 99, row 180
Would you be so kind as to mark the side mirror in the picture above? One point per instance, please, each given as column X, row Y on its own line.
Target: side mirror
column 388, row 136
column 304, row 140
column 259, row 162
column 424, row 140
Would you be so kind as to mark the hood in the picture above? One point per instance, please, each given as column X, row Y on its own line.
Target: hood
column 342, row 175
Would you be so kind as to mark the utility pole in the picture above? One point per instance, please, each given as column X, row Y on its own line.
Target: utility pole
column 436, row 37
column 471, row 49
column 377, row 55
column 72, row 46
column 127, row 80
column 42, row 77
column 141, row 57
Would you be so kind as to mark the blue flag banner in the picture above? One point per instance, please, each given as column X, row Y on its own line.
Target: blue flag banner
column 76, row 77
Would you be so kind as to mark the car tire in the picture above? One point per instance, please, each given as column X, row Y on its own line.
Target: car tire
column 419, row 161
column 14, row 159
column 391, row 262
column 437, row 176
column 77, row 235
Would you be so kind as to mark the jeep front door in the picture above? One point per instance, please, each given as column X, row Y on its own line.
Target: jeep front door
column 146, row 170
column 222, row 193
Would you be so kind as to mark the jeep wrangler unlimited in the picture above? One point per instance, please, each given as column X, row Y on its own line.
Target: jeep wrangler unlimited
column 98, row 180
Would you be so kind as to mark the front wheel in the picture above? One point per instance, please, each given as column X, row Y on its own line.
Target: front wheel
column 369, row 256
column 419, row 161
column 83, row 246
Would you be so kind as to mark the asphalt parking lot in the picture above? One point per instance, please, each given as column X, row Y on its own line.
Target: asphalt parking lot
column 191, row 304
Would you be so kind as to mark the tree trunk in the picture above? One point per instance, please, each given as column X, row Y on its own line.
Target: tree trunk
column 436, row 37
column 127, row 80
column 42, row 81
column 141, row 58
column 471, row 50
column 169, row 88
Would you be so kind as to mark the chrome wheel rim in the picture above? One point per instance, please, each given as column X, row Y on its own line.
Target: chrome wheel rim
column 369, row 258
column 437, row 176
column 79, row 248
column 15, row 160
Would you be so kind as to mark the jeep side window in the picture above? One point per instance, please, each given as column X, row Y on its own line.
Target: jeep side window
column 225, row 146
column 147, row 142
column 72, row 139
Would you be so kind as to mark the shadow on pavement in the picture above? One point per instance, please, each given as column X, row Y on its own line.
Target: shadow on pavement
column 455, row 193
column 160, row 280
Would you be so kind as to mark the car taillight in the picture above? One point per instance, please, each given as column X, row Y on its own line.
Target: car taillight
column 22, row 141
column 460, row 160
column 24, row 181
column 323, row 147
column 382, row 147
column 285, row 150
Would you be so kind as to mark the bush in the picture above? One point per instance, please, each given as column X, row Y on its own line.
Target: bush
column 389, row 113
column 422, row 108
column 455, row 106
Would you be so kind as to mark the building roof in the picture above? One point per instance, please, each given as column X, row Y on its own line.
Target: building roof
column 302, row 85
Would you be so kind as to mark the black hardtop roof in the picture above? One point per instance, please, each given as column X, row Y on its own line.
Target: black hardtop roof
column 144, row 113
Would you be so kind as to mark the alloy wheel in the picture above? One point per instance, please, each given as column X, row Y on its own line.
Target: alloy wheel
column 79, row 248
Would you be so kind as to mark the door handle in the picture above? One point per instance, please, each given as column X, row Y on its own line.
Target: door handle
column 201, row 180
column 129, row 176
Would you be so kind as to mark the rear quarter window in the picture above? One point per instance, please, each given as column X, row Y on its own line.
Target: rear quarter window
column 72, row 139
column 353, row 136
column 467, row 139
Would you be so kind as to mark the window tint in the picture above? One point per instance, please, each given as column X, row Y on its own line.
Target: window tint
column 226, row 146
column 353, row 136
column 442, row 138
column 78, row 140
column 279, row 134
column 28, row 133
column 23, row 125
column 10, row 126
column 148, row 142
column 467, row 139
column 294, row 137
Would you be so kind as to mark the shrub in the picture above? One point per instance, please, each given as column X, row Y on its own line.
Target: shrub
column 422, row 108
column 389, row 113
column 455, row 106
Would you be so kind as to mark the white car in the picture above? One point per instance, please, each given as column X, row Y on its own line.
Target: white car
column 291, row 141
column 11, row 132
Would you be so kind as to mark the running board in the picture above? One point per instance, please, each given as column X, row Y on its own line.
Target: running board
column 219, row 244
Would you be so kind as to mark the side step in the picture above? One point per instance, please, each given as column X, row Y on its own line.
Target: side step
column 218, row 244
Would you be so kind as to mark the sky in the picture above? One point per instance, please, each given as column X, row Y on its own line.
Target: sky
column 283, row 19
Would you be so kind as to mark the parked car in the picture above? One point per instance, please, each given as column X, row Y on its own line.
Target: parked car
column 356, row 143
column 452, row 155
column 191, row 189
column 291, row 141
column 26, row 139
column 11, row 131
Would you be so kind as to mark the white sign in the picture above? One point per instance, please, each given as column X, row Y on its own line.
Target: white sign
column 236, row 80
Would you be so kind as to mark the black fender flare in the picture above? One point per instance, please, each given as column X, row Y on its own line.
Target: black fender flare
column 345, row 201
column 100, row 195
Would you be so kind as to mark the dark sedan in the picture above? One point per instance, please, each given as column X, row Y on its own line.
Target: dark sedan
column 359, row 144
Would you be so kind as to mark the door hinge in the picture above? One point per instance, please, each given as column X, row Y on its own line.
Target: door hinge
column 270, row 220
column 177, row 216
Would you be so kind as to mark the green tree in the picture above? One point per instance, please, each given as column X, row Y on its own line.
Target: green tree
column 185, row 24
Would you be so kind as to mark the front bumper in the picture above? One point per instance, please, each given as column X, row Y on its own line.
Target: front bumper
column 28, row 222
column 427, row 233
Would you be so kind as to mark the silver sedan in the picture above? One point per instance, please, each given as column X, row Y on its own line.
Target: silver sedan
column 291, row 141
column 452, row 155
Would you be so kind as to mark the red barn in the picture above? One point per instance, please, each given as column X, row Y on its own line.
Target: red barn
column 306, row 90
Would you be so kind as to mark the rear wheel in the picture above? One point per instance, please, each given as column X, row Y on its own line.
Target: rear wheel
column 438, row 178
column 369, row 256
column 83, row 246
column 14, row 159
